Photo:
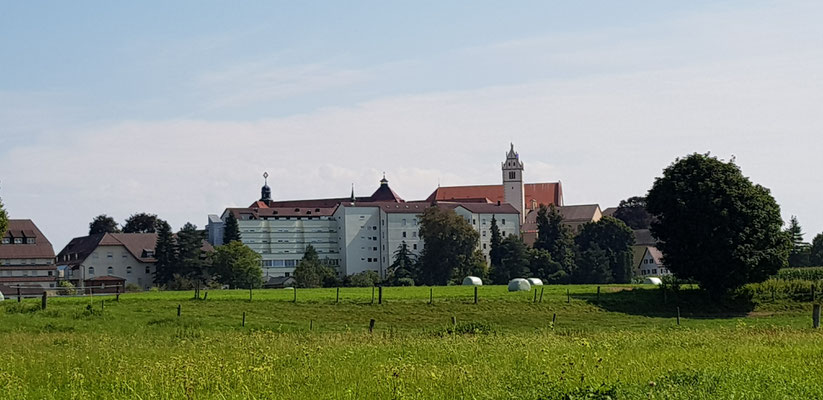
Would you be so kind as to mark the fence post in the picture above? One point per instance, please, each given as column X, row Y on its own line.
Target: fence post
column 249, row 294
column 117, row 294
column 554, row 319
column 534, row 299
column 206, row 295
column 338, row 296
column 311, row 324
column 678, row 316
column 19, row 296
column 43, row 304
column 102, row 306
column 541, row 295
column 178, row 309
column 816, row 316
column 371, row 325
column 598, row 293
column 295, row 295
column 431, row 295
column 380, row 295
column 454, row 321
column 568, row 296
column 475, row 295
column 244, row 319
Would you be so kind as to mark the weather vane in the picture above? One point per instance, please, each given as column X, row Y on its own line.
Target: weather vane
column 266, row 177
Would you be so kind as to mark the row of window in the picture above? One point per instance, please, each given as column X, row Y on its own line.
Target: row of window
column 26, row 273
column 19, row 240
column 110, row 271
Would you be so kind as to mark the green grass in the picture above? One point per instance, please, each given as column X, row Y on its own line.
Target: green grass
column 625, row 343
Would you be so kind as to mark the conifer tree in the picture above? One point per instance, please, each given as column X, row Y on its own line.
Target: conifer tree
column 165, row 253
column 232, row 231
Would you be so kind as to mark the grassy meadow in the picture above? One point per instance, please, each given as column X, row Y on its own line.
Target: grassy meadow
column 623, row 344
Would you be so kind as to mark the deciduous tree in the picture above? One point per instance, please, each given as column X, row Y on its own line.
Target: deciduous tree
column 632, row 211
column 715, row 226
column 554, row 236
column 140, row 223
column 514, row 261
column 236, row 265
column 816, row 256
column 615, row 240
column 310, row 272
column 103, row 224
column 450, row 245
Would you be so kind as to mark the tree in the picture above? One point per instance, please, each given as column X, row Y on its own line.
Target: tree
column 555, row 237
column 232, row 231
column 364, row 279
column 140, row 223
column 403, row 266
column 713, row 225
column 514, row 261
column 494, row 249
column 4, row 219
column 103, row 224
column 165, row 251
column 633, row 212
column 542, row 266
column 237, row 265
column 592, row 266
column 191, row 263
column 449, row 247
column 816, row 251
column 615, row 239
column 800, row 254
column 310, row 272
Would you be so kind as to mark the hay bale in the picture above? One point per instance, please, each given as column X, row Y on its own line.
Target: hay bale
column 519, row 285
column 1, row 296
column 652, row 281
column 535, row 281
column 472, row 281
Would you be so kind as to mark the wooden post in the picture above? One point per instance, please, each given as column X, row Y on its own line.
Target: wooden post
column 117, row 294
column 431, row 295
column 249, row 294
column 371, row 325
column 598, row 293
column 102, row 305
column 338, row 296
column 295, row 296
column 534, row 300
column 179, row 309
column 206, row 295
column 568, row 296
column 475, row 295
column 19, row 296
column 380, row 295
column 311, row 324
column 541, row 295
column 244, row 319
column 678, row 316
column 43, row 301
column 554, row 318
column 454, row 321
column 816, row 316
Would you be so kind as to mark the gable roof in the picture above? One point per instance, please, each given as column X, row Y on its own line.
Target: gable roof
column 609, row 211
column 571, row 214
column 541, row 193
column 25, row 228
column 137, row 244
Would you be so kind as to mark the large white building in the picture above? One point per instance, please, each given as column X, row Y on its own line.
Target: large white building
column 355, row 234
column 26, row 259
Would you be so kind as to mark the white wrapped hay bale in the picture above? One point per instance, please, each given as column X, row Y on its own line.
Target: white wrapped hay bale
column 535, row 281
column 472, row 281
column 519, row 285
column 652, row 281
column 1, row 296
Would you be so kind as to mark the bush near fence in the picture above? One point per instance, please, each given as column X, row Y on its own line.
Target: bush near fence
column 806, row 274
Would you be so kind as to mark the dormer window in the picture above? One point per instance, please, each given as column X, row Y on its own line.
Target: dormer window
column 6, row 240
column 18, row 240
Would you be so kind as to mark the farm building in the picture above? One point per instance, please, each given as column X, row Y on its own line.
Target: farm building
column 26, row 259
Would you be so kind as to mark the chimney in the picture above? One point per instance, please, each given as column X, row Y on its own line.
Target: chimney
column 498, row 202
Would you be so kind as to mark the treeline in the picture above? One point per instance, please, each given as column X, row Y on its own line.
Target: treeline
column 804, row 254
column 600, row 253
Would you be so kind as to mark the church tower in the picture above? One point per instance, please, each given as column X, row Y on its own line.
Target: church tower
column 265, row 191
column 513, row 191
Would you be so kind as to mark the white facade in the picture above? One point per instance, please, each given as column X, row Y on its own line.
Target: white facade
column 651, row 264
column 108, row 260
column 513, row 189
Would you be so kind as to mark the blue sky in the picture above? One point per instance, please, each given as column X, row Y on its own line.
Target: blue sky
column 176, row 108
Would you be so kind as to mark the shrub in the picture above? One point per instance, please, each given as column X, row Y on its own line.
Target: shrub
column 364, row 279
column 806, row 274
column 131, row 287
column 405, row 282
column 66, row 288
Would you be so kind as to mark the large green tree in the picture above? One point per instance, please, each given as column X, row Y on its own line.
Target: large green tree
column 311, row 272
column 615, row 239
column 165, row 251
column 514, row 261
column 541, row 265
column 236, row 265
column 554, row 236
column 816, row 256
column 232, row 230
column 592, row 266
column 103, row 224
column 495, row 256
column 450, row 247
column 633, row 212
column 799, row 256
column 140, row 223
column 191, row 262
column 715, row 226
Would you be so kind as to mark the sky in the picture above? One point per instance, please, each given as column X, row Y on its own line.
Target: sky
column 177, row 108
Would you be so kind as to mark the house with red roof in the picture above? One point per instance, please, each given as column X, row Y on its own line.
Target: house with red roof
column 26, row 259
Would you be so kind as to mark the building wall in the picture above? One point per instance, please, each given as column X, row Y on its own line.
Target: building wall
column 649, row 267
column 400, row 227
column 359, row 239
column 509, row 224
column 115, row 261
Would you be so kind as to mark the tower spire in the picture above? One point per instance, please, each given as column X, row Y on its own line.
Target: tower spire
column 265, row 191
column 353, row 199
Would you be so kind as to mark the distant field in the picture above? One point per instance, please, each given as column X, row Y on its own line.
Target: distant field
column 624, row 342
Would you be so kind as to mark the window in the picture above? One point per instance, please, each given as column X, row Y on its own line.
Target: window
column 404, row 234
column 94, row 255
column 109, row 255
column 654, row 271
column 6, row 241
column 18, row 240
column 484, row 221
column 414, row 246
column 503, row 221
column 474, row 221
column 511, row 174
column 91, row 271
column 374, row 248
column 374, row 228
column 110, row 271
column 125, row 255
column 484, row 246
column 403, row 222
column 30, row 240
column 287, row 274
column 414, row 234
column 51, row 273
column 128, row 270
column 148, row 270
column 484, row 233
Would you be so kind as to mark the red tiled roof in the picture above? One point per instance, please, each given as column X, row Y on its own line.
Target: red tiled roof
column 27, row 229
column 542, row 193
column 105, row 278
column 78, row 249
